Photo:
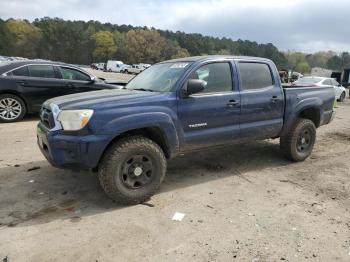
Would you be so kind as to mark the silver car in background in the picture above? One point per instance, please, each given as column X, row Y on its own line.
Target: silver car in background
column 339, row 90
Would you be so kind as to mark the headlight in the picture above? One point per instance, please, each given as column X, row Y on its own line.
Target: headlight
column 72, row 120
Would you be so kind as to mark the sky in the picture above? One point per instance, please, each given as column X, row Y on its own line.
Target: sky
column 296, row 25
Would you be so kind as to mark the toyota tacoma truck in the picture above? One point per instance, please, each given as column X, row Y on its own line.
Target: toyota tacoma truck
column 176, row 106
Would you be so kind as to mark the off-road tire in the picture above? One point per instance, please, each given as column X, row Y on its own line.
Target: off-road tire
column 110, row 170
column 289, row 142
column 20, row 102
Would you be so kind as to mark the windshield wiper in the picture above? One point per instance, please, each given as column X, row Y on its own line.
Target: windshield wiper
column 143, row 89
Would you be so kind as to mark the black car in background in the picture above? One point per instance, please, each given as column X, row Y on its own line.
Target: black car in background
column 25, row 85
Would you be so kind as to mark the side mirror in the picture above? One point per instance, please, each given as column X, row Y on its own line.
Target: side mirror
column 193, row 86
column 92, row 79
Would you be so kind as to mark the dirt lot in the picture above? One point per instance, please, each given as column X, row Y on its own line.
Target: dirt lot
column 109, row 75
column 242, row 203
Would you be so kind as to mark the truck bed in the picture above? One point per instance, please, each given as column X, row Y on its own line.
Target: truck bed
column 297, row 97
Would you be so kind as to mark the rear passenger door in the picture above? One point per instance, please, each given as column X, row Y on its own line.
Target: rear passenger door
column 262, row 100
column 42, row 84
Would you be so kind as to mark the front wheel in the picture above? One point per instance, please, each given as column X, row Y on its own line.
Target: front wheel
column 12, row 108
column 298, row 144
column 132, row 170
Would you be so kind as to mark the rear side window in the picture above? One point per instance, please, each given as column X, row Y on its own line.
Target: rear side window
column 327, row 82
column 255, row 75
column 44, row 71
column 22, row 71
column 217, row 77
column 72, row 74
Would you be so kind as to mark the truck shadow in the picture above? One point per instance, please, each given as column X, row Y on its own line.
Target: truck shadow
column 37, row 193
column 215, row 163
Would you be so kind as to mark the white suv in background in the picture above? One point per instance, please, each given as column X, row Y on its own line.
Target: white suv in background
column 339, row 90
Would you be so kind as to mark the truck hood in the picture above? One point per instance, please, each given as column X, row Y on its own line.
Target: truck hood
column 91, row 100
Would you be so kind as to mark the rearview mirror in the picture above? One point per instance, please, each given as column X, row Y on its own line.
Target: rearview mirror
column 193, row 86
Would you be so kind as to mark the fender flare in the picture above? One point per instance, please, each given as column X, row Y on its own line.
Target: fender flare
column 314, row 103
column 163, row 121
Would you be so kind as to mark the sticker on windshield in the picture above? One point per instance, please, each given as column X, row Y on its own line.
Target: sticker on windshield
column 179, row 65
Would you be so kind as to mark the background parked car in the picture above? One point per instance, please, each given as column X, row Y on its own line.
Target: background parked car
column 135, row 69
column 25, row 85
column 116, row 66
column 339, row 90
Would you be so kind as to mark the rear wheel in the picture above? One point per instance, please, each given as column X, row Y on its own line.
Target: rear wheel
column 342, row 97
column 298, row 144
column 132, row 170
column 12, row 108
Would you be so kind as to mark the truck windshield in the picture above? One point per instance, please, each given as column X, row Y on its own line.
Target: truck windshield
column 158, row 78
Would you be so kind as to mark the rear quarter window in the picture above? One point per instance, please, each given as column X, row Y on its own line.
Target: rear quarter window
column 22, row 71
column 254, row 75
column 327, row 82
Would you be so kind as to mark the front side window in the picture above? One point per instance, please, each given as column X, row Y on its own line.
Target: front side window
column 72, row 74
column 255, row 75
column 217, row 77
column 22, row 71
column 43, row 71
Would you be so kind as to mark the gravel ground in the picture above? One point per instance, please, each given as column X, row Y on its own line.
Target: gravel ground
column 241, row 203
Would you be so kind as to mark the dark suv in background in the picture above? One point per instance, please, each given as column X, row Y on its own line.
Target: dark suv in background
column 25, row 85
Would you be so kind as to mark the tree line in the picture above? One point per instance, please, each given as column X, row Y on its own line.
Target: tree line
column 80, row 42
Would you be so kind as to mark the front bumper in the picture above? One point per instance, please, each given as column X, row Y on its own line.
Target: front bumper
column 70, row 151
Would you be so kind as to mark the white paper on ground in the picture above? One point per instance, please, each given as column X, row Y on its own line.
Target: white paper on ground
column 178, row 216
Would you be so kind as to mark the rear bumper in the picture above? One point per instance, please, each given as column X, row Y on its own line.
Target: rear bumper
column 69, row 151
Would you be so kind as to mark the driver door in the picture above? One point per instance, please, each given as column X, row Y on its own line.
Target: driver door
column 212, row 116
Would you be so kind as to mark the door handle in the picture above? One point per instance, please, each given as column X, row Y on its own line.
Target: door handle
column 23, row 83
column 69, row 85
column 274, row 99
column 232, row 103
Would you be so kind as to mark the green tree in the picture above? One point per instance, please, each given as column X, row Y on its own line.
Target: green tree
column 345, row 58
column 295, row 58
column 144, row 46
column 4, row 41
column 302, row 67
column 67, row 41
column 105, row 46
column 223, row 52
column 24, row 38
column 181, row 52
column 319, row 59
column 82, row 42
column 335, row 63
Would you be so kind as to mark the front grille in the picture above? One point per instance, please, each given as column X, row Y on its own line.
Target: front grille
column 47, row 118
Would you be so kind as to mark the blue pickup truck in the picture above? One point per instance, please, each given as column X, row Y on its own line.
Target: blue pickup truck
column 180, row 105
